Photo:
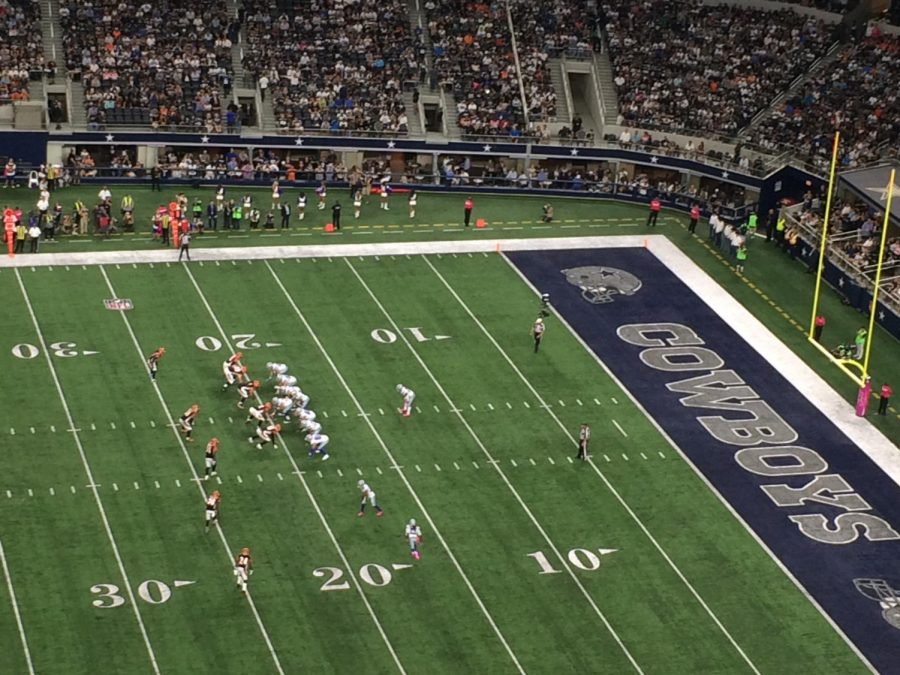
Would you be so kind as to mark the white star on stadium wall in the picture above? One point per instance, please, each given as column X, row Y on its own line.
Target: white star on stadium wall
column 573, row 151
column 881, row 316
column 204, row 139
column 883, row 191
column 109, row 138
column 841, row 282
column 298, row 141
column 487, row 148
column 391, row 144
column 724, row 174
column 654, row 159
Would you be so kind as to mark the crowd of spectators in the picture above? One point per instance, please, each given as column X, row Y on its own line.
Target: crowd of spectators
column 473, row 51
column 857, row 94
column 834, row 6
column 21, row 47
column 333, row 65
column 165, row 64
column 683, row 65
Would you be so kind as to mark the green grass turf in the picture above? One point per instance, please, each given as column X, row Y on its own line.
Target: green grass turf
column 776, row 290
column 57, row 547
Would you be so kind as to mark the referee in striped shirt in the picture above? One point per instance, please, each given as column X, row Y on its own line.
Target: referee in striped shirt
column 584, row 436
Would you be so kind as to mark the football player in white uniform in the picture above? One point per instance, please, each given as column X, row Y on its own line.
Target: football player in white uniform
column 413, row 537
column 265, row 435
column 281, row 405
column 285, row 381
column 276, row 369
column 243, row 568
column 260, row 414
column 408, row 397
column 318, row 444
column 368, row 494
column 310, row 426
column 304, row 415
column 212, row 508
column 298, row 397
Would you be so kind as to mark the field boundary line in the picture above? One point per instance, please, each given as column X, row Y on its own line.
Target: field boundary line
column 15, row 606
column 399, row 470
column 349, row 568
column 765, row 547
column 596, row 469
column 196, row 477
column 90, row 475
column 496, row 465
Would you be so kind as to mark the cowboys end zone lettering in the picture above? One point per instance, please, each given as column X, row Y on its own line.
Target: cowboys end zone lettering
column 826, row 510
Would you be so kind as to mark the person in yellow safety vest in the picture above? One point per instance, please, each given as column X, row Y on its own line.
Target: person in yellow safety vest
column 779, row 231
column 81, row 215
column 127, row 209
column 165, row 222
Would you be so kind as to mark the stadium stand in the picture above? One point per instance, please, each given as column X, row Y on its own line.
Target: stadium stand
column 688, row 66
column 857, row 94
column 339, row 69
column 159, row 64
column 21, row 48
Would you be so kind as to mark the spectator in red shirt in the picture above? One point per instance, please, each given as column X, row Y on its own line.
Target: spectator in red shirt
column 886, row 393
column 469, row 205
column 655, row 206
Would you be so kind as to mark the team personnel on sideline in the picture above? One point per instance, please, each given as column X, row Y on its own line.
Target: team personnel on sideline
column 153, row 361
column 537, row 332
column 408, row 397
column 413, row 537
column 385, row 193
column 467, row 210
column 265, row 434
column 212, row 463
column 584, row 437
column 368, row 494
column 357, row 202
column 655, row 206
column 322, row 194
column 245, row 391
column 301, row 206
column 243, row 568
column 187, row 421
column 212, row 508
column 412, row 203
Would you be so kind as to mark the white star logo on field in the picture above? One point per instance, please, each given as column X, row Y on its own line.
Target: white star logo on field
column 391, row 144
column 654, row 159
column 573, row 151
column 109, row 138
column 724, row 174
column 204, row 139
column 487, row 148
column 298, row 141
column 882, row 191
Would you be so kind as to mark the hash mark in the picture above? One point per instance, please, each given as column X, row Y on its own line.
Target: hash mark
column 606, row 457
column 597, row 402
column 533, row 463
column 259, row 478
column 177, row 483
column 30, row 492
column 72, row 488
column 280, row 477
column 340, row 473
column 93, row 427
column 8, row 494
column 136, row 486
column 561, row 404
column 32, row 429
column 12, row 432
column 344, row 413
column 662, row 455
column 490, row 407
column 613, row 399
column 456, row 466
column 624, row 456
column 53, row 428
column 325, row 414
column 509, row 405
column 550, row 459
column 112, row 425
column 526, row 404
column 578, row 401
column 320, row 474
column 239, row 479
column 156, row 483
column 211, row 420
column 643, row 455
column 378, row 469
column 152, row 423
column 475, row 464
column 473, row 407
column 437, row 467
column 52, row 492
column 133, row 425
column 381, row 411
column 230, row 420
column 513, row 462
column 115, row 487
column 218, row 480
column 570, row 460
column 418, row 468
column 436, row 409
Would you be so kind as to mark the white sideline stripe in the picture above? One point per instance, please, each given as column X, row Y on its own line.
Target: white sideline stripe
column 605, row 480
column 15, row 606
column 390, row 456
column 563, row 561
column 347, row 566
column 187, row 458
column 90, row 476
column 235, row 254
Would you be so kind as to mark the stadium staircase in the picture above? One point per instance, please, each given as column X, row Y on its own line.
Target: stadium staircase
column 414, row 115
column 52, row 37
column 558, row 78
column 608, row 99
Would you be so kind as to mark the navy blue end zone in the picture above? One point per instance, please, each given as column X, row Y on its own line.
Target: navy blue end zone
column 857, row 507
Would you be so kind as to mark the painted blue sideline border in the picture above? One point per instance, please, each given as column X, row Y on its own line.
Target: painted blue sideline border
column 860, row 491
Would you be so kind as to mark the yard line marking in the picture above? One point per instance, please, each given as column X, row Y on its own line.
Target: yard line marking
column 563, row 561
column 228, row 550
column 389, row 454
column 90, row 474
column 596, row 469
column 15, row 606
column 619, row 427
column 302, row 479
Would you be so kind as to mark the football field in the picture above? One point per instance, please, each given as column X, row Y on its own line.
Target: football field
column 638, row 560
